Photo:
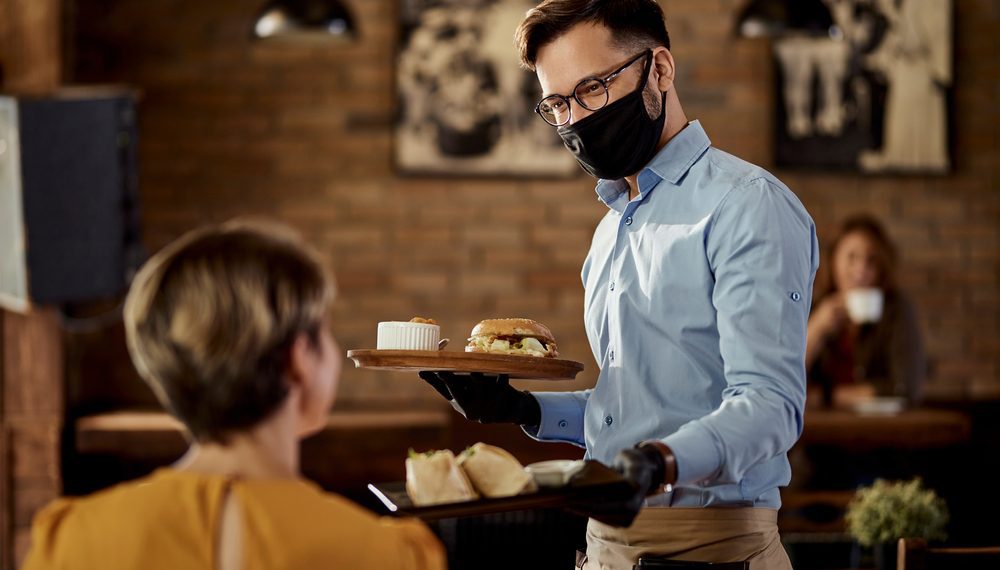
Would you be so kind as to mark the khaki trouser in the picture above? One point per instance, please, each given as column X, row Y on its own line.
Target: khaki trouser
column 696, row 534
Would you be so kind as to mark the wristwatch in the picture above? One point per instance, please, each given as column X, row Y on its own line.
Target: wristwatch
column 668, row 461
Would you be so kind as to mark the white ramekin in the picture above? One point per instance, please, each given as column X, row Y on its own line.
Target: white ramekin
column 398, row 335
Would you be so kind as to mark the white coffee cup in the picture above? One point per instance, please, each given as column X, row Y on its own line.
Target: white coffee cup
column 864, row 305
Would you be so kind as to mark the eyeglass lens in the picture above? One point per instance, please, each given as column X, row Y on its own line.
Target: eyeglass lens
column 591, row 94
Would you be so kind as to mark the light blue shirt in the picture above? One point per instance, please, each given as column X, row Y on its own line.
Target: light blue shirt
column 697, row 298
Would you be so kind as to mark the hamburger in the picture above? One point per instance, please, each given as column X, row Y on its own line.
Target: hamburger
column 523, row 337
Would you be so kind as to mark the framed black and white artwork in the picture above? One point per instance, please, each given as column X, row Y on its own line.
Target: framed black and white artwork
column 871, row 96
column 465, row 105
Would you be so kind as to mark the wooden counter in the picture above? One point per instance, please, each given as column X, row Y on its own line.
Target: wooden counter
column 355, row 448
column 132, row 432
column 915, row 434
column 918, row 428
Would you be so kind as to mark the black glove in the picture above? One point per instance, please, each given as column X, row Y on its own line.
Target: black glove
column 486, row 398
column 645, row 469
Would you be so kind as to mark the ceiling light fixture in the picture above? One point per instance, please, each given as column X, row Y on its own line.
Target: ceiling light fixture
column 774, row 18
column 305, row 20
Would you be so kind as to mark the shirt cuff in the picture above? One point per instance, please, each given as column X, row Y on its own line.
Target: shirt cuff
column 697, row 453
column 562, row 417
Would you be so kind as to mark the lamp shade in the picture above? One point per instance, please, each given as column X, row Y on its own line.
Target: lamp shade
column 305, row 20
column 774, row 18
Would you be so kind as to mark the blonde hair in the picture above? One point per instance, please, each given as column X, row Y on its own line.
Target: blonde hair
column 211, row 317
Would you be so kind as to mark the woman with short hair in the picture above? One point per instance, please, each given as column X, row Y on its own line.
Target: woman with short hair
column 228, row 326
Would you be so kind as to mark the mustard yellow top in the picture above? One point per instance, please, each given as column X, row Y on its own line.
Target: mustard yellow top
column 170, row 520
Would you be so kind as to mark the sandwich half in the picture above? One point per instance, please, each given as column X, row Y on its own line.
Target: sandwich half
column 494, row 472
column 435, row 477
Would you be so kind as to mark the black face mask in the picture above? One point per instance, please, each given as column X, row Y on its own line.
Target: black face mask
column 619, row 139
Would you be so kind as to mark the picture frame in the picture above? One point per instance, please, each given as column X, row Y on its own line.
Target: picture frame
column 872, row 96
column 466, row 107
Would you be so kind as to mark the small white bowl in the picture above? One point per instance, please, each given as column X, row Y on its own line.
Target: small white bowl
column 554, row 473
column 400, row 335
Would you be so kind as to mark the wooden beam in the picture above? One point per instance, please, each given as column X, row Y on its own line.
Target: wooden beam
column 31, row 418
column 31, row 45
column 6, row 477
column 33, row 366
column 31, row 352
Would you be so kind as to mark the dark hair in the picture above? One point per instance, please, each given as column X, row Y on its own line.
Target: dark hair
column 633, row 24
column 211, row 318
column 886, row 259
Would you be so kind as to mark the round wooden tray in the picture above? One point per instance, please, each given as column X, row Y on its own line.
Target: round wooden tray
column 452, row 361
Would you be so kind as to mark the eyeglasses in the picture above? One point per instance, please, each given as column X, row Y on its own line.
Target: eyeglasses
column 591, row 93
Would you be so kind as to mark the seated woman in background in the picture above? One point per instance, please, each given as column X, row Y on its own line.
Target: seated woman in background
column 863, row 337
column 228, row 326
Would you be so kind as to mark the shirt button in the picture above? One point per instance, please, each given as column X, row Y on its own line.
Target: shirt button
column 608, row 420
column 796, row 296
column 563, row 423
column 628, row 221
column 612, row 285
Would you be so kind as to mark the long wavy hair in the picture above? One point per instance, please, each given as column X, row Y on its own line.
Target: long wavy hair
column 885, row 254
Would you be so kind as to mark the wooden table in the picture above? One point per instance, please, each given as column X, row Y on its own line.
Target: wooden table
column 131, row 432
column 355, row 448
column 918, row 428
column 914, row 432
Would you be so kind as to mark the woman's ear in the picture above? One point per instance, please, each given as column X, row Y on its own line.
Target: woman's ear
column 302, row 361
column 663, row 66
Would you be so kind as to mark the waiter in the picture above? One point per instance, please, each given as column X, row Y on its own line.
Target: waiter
column 698, row 284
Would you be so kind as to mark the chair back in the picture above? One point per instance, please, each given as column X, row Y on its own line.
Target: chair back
column 914, row 554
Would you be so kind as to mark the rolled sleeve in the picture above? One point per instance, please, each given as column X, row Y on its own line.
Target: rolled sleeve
column 697, row 451
column 562, row 417
column 764, row 254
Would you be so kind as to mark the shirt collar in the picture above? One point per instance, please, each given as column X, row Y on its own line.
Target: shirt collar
column 670, row 164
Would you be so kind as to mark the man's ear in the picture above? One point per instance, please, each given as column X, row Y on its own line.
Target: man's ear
column 301, row 361
column 663, row 66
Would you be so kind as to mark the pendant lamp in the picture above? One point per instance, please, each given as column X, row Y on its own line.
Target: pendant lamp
column 774, row 18
column 305, row 20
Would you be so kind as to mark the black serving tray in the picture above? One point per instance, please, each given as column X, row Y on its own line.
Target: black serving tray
column 595, row 483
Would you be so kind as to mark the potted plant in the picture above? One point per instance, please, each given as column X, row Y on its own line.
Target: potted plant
column 879, row 515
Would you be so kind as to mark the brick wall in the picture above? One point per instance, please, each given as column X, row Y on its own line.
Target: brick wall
column 303, row 133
